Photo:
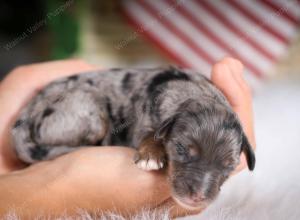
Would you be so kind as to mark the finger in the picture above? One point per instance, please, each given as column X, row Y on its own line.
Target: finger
column 227, row 75
column 37, row 75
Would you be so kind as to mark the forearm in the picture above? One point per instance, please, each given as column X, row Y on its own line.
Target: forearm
column 32, row 192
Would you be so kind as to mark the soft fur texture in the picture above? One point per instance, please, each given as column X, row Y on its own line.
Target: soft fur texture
column 146, row 214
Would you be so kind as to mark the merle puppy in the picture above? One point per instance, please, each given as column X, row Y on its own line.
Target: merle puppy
column 174, row 117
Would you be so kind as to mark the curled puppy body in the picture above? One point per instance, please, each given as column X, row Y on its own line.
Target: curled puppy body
column 174, row 117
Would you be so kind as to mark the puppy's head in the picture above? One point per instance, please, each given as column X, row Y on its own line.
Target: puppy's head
column 203, row 145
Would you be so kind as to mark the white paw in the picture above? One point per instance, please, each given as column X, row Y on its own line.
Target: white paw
column 149, row 164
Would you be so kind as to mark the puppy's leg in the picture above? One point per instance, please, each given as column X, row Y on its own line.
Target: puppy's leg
column 46, row 129
column 151, row 154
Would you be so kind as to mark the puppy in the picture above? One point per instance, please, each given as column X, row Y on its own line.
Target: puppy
column 174, row 117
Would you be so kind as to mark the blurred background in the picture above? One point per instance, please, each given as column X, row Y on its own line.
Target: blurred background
column 35, row 31
column 264, row 34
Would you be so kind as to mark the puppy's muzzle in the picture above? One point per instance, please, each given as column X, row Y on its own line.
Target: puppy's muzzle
column 197, row 201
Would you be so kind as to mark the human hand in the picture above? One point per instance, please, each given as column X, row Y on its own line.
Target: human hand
column 77, row 176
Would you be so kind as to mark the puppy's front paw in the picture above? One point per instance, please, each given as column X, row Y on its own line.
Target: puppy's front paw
column 148, row 162
column 151, row 155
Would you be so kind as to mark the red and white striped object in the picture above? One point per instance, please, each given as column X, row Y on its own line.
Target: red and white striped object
column 197, row 33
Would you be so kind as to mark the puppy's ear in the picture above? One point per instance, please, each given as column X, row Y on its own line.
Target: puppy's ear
column 248, row 151
column 164, row 128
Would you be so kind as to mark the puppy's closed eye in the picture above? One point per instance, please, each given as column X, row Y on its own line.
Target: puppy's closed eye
column 181, row 150
column 185, row 152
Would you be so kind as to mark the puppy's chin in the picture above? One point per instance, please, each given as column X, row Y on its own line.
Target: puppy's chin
column 188, row 206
